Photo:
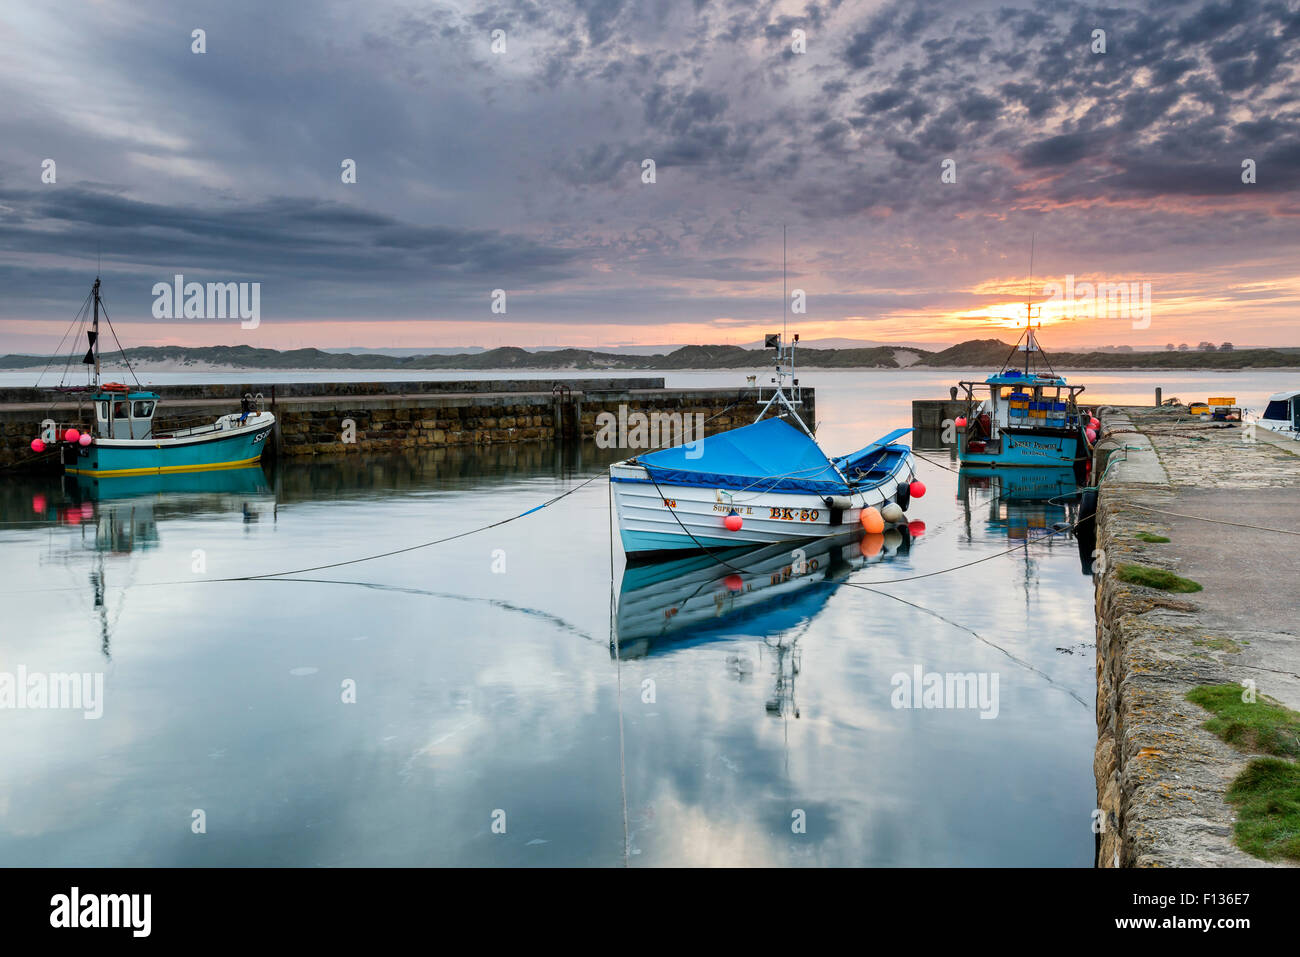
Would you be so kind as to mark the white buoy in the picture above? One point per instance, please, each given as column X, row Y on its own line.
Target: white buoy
column 892, row 513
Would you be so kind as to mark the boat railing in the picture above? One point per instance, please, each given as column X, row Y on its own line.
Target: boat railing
column 192, row 425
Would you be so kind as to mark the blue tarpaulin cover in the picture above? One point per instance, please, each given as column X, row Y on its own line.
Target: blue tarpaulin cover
column 768, row 455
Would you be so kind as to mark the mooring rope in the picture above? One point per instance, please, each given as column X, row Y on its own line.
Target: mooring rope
column 366, row 558
column 865, row 586
column 933, row 462
column 1213, row 521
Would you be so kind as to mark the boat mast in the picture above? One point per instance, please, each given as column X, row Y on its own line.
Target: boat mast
column 94, row 335
column 784, row 359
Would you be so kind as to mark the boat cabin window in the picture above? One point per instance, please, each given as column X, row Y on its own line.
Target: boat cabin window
column 1278, row 410
column 102, row 411
column 143, row 410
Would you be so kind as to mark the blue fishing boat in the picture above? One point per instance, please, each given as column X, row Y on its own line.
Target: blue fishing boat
column 116, row 436
column 1023, row 416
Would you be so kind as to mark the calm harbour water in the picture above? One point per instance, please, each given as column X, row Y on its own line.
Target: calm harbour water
column 485, row 682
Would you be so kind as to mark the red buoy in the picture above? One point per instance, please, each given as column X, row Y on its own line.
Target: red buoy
column 918, row 489
column 734, row 582
column 733, row 522
column 38, row 445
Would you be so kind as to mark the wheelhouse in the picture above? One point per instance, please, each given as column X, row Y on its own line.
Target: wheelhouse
column 124, row 415
column 1012, row 401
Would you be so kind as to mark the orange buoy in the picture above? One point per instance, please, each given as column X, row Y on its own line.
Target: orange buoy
column 872, row 521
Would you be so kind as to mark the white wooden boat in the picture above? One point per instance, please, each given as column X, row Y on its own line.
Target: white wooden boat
column 758, row 484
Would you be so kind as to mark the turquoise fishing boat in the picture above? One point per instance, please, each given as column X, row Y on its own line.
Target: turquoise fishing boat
column 116, row 435
column 125, row 442
column 1022, row 417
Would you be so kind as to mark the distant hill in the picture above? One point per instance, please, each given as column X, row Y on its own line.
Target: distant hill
column 975, row 353
column 985, row 353
column 505, row 358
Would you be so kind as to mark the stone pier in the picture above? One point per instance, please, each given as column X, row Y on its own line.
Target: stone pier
column 1180, row 495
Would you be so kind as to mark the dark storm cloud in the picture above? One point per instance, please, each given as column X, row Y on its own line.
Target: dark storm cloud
column 284, row 242
column 523, row 169
column 1056, row 150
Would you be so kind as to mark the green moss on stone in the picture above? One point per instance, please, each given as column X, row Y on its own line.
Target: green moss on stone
column 1156, row 578
column 1264, row 725
column 1267, row 798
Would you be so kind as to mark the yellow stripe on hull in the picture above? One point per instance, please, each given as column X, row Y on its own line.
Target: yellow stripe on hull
column 167, row 468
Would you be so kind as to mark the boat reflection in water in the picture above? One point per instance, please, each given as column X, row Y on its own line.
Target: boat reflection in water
column 773, row 591
column 1030, row 505
column 121, row 515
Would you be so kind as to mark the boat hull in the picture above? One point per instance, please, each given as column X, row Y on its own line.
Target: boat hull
column 221, row 449
column 660, row 519
column 1021, row 450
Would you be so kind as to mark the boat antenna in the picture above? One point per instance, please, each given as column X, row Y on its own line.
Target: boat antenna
column 1028, row 335
column 1029, row 305
column 785, row 302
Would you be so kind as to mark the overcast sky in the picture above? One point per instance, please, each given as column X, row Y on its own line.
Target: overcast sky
column 522, row 170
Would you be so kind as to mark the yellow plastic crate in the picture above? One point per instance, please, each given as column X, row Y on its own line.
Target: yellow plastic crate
column 1222, row 400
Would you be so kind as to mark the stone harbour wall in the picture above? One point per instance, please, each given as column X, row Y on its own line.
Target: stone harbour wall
column 351, row 418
